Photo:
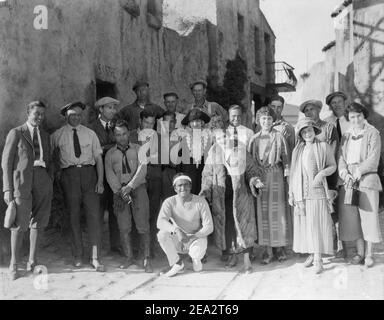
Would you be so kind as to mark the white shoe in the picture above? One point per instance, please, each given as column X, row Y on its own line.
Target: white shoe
column 197, row 265
column 176, row 268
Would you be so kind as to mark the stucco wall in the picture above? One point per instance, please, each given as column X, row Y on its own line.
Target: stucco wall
column 369, row 57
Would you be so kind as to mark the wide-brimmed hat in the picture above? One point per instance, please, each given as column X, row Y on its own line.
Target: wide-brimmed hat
column 329, row 97
column 316, row 103
column 200, row 81
column 105, row 100
column 140, row 83
column 307, row 122
column 195, row 114
column 69, row 106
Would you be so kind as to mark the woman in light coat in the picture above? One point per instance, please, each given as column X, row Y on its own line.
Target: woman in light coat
column 358, row 162
column 312, row 162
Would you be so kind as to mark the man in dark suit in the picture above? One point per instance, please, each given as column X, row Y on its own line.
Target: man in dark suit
column 107, row 108
column 27, row 180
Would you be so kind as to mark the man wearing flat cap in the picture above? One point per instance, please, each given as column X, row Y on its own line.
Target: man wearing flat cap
column 337, row 102
column 107, row 109
column 27, row 182
column 131, row 113
column 217, row 113
column 82, row 178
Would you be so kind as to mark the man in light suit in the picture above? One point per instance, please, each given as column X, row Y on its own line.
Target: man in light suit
column 27, row 180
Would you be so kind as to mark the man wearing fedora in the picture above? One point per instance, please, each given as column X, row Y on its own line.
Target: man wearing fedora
column 216, row 112
column 27, row 180
column 82, row 178
column 131, row 113
column 337, row 102
column 107, row 109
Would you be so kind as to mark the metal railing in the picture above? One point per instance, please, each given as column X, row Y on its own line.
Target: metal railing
column 283, row 73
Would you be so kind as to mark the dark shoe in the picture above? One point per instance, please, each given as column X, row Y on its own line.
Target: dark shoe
column 280, row 254
column 232, row 262
column 13, row 272
column 341, row 254
column 127, row 263
column 97, row 265
column 117, row 249
column 31, row 266
column 147, row 265
column 266, row 259
column 357, row 259
column 225, row 256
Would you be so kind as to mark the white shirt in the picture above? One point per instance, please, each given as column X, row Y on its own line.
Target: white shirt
column 354, row 146
column 104, row 123
column 40, row 162
column 344, row 124
column 244, row 134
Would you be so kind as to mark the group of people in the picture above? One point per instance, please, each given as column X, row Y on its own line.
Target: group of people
column 174, row 179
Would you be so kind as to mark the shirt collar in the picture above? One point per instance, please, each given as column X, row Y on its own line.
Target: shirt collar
column 351, row 131
column 30, row 127
column 69, row 127
column 104, row 123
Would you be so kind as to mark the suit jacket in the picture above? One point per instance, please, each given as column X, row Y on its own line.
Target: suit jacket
column 107, row 141
column 369, row 158
column 18, row 158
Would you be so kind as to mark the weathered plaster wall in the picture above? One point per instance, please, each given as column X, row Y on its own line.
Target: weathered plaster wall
column 368, row 27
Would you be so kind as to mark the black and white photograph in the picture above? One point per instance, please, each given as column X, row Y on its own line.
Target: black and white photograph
column 191, row 150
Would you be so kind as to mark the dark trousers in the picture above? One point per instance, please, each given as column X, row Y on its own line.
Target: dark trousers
column 230, row 231
column 79, row 190
column 154, row 194
column 106, row 203
column 167, row 187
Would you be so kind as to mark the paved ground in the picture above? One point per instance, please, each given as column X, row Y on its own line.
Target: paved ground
column 288, row 280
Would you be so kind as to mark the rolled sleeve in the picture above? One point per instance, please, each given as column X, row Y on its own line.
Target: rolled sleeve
column 97, row 150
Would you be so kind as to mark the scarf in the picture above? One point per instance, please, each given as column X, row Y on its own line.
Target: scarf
column 296, row 176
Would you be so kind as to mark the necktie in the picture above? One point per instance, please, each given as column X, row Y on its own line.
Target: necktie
column 235, row 138
column 76, row 144
column 338, row 128
column 124, row 163
column 107, row 128
column 36, row 145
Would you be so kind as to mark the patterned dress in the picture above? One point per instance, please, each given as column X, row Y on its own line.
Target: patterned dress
column 272, row 207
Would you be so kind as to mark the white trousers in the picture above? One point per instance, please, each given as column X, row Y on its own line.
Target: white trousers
column 172, row 247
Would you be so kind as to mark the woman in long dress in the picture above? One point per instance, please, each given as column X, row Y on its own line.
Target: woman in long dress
column 312, row 162
column 270, row 151
column 358, row 162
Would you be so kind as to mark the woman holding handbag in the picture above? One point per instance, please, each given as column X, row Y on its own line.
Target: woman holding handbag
column 358, row 162
column 312, row 162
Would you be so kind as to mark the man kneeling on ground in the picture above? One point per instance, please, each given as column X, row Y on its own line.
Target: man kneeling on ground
column 185, row 221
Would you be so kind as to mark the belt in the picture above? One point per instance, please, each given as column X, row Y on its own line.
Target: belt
column 39, row 167
column 79, row 166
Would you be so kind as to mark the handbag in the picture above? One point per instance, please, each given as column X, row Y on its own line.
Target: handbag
column 352, row 194
column 10, row 215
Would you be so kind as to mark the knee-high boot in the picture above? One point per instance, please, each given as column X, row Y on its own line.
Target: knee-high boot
column 126, row 243
column 146, row 241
